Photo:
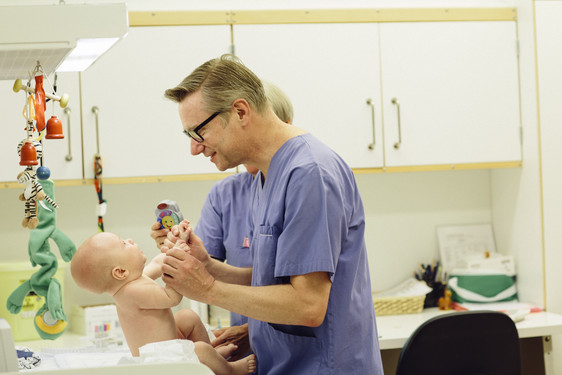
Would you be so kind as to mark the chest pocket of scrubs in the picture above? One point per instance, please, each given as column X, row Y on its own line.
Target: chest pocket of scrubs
column 265, row 254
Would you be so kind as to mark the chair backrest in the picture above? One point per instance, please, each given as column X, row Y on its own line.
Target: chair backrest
column 463, row 343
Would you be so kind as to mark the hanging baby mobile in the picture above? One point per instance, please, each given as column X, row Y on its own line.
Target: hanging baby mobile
column 30, row 149
column 50, row 319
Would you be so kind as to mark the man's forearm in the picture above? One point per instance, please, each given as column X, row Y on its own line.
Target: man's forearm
column 229, row 274
column 300, row 303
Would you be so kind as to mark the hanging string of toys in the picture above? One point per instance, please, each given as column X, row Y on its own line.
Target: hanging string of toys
column 50, row 319
column 30, row 149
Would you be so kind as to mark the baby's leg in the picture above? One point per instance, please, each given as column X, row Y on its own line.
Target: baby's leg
column 190, row 326
column 226, row 350
column 220, row 366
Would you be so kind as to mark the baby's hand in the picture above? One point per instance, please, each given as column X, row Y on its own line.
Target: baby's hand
column 184, row 230
column 180, row 244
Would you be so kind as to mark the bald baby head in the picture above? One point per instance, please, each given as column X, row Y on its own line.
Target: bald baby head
column 93, row 262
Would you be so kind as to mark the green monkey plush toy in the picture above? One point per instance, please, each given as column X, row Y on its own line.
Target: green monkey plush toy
column 50, row 320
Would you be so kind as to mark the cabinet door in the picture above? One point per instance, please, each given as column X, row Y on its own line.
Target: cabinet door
column 13, row 130
column 328, row 71
column 456, row 86
column 140, row 133
column 64, row 156
column 55, row 151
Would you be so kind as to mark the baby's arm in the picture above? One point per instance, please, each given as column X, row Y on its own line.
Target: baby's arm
column 154, row 268
column 148, row 294
column 154, row 271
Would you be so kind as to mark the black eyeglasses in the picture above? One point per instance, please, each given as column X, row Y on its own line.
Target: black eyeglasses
column 193, row 133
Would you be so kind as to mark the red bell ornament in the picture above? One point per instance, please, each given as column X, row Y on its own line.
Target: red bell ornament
column 28, row 154
column 54, row 128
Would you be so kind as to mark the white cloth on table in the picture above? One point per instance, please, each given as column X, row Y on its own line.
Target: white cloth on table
column 165, row 351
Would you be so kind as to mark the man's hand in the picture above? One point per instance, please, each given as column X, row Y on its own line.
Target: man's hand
column 237, row 335
column 186, row 274
column 159, row 234
column 184, row 232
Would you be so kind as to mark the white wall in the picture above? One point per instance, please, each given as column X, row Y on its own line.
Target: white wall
column 516, row 194
column 402, row 212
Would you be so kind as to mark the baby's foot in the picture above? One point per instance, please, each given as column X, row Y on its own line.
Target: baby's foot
column 245, row 365
column 226, row 350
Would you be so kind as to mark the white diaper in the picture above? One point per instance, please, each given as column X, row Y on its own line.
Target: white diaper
column 168, row 351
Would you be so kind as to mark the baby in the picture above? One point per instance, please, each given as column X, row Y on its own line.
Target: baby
column 107, row 264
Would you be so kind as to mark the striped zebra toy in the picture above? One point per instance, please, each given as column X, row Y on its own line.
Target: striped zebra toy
column 32, row 194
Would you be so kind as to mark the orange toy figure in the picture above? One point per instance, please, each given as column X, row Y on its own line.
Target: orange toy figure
column 40, row 103
column 445, row 301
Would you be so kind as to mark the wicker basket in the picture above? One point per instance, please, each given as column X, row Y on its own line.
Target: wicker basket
column 398, row 305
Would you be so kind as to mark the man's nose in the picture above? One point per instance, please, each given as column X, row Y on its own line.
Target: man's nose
column 196, row 148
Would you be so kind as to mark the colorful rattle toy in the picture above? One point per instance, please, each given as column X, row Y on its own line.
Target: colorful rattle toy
column 168, row 214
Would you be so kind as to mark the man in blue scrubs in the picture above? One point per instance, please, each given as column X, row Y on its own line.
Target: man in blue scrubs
column 308, row 293
column 223, row 224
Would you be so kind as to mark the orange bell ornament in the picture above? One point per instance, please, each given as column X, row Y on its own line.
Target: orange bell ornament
column 54, row 128
column 28, row 154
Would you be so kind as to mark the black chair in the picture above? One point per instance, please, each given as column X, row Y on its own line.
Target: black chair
column 463, row 343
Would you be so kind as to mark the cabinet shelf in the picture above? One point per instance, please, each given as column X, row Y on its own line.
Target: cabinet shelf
column 219, row 176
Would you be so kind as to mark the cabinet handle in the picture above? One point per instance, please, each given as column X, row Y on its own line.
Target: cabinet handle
column 397, row 104
column 68, row 156
column 372, row 105
column 95, row 111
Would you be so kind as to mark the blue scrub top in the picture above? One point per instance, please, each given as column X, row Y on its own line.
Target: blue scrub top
column 308, row 217
column 223, row 225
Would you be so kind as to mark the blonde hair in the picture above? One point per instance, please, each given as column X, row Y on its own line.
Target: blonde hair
column 221, row 81
column 279, row 101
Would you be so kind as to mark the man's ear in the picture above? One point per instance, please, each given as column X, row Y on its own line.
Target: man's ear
column 242, row 109
column 119, row 273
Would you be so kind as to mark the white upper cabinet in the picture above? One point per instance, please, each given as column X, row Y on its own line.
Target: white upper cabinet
column 11, row 107
column 140, row 133
column 329, row 71
column 455, row 85
column 64, row 156
column 447, row 91
column 382, row 95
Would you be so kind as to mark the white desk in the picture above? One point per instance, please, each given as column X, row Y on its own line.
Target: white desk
column 394, row 330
